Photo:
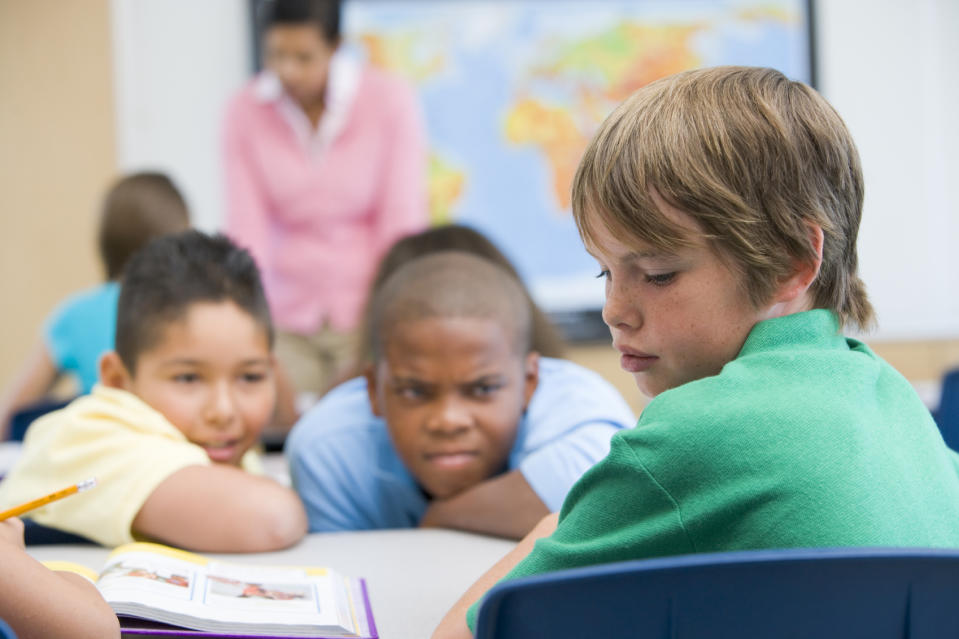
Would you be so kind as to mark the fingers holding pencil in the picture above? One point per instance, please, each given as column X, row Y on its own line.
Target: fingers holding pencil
column 11, row 532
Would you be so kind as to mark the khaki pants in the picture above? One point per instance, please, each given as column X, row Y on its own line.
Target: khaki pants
column 315, row 362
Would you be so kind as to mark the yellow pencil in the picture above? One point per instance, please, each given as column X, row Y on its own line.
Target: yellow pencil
column 86, row 484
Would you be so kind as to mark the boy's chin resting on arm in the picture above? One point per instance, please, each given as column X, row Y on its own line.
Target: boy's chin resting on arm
column 504, row 506
column 222, row 509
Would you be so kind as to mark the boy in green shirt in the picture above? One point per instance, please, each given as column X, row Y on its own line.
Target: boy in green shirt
column 723, row 206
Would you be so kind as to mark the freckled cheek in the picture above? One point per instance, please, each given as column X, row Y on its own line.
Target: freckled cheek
column 687, row 318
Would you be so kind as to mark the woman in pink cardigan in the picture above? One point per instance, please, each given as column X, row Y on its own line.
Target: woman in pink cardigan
column 325, row 163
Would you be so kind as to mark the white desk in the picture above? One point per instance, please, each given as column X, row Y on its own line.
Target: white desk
column 413, row 576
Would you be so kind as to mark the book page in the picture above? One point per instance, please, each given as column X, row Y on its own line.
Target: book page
column 181, row 588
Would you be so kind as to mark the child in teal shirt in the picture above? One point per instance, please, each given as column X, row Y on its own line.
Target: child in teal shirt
column 723, row 207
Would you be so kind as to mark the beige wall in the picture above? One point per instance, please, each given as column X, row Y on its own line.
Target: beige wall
column 56, row 157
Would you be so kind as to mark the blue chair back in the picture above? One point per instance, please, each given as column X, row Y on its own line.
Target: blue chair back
column 35, row 534
column 816, row 593
column 947, row 415
column 21, row 420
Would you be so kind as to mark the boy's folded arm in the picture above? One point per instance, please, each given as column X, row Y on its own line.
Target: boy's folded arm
column 504, row 505
column 221, row 509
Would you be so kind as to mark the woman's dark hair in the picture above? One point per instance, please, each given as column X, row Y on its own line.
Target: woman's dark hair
column 322, row 14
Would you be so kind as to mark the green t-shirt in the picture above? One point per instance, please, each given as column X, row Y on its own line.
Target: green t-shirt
column 806, row 439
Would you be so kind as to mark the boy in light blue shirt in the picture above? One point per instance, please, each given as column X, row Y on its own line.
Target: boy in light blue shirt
column 457, row 423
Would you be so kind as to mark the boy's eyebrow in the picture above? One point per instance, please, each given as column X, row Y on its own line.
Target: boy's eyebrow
column 643, row 254
column 485, row 379
column 652, row 253
column 256, row 361
column 408, row 381
column 493, row 379
column 189, row 361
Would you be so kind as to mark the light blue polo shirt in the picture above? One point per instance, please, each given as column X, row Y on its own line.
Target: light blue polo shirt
column 349, row 476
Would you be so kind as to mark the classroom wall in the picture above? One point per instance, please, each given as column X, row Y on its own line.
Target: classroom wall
column 176, row 63
column 57, row 128
column 887, row 66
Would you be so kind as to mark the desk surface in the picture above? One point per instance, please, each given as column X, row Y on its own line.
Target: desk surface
column 413, row 576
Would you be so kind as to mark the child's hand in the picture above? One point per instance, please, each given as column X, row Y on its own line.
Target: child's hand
column 11, row 532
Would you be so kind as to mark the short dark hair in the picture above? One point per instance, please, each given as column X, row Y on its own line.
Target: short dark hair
column 137, row 208
column 322, row 14
column 547, row 340
column 450, row 284
column 173, row 272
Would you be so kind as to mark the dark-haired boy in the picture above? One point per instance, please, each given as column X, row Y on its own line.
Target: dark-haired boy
column 168, row 431
column 458, row 423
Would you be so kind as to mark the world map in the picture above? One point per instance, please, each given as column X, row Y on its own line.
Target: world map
column 512, row 91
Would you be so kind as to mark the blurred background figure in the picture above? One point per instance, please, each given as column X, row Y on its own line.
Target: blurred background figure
column 325, row 161
column 136, row 209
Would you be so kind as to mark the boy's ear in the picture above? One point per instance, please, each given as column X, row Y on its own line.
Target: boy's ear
column 531, row 377
column 372, row 389
column 113, row 372
column 804, row 273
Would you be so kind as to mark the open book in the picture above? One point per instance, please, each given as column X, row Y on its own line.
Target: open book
column 161, row 591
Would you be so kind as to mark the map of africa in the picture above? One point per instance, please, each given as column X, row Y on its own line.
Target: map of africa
column 512, row 92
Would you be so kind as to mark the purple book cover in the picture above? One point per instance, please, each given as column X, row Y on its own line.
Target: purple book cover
column 135, row 627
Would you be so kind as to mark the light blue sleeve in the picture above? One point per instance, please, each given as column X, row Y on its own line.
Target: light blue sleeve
column 345, row 470
column 320, row 479
column 327, row 462
column 571, row 419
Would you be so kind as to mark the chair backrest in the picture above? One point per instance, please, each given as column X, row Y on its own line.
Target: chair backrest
column 35, row 534
column 21, row 420
column 947, row 415
column 6, row 632
column 820, row 593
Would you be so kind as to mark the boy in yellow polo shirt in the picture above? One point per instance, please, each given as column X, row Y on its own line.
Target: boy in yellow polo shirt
column 181, row 401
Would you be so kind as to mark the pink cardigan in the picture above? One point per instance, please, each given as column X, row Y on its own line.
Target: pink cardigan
column 317, row 223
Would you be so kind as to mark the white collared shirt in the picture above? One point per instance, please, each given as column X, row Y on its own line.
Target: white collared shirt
column 341, row 86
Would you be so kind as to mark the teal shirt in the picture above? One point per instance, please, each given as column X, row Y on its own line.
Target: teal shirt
column 806, row 439
column 80, row 330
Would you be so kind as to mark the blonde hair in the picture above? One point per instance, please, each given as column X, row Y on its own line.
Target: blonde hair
column 754, row 158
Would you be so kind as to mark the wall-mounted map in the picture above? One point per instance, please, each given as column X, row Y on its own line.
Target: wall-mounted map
column 513, row 90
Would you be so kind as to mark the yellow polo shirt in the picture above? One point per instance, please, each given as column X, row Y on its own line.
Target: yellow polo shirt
column 114, row 436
